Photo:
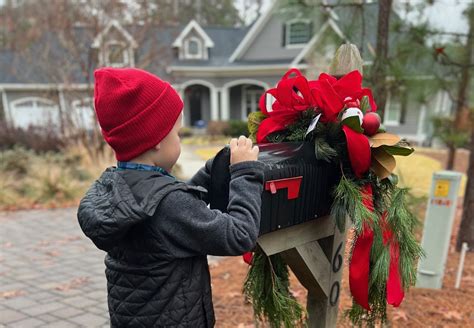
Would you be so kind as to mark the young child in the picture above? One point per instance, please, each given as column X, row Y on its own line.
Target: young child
column 155, row 229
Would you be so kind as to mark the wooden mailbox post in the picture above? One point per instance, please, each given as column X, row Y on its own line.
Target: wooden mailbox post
column 314, row 250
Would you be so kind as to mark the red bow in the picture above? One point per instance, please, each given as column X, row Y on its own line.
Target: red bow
column 359, row 267
column 284, row 103
column 330, row 93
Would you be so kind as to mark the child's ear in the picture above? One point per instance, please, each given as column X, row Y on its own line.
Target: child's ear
column 157, row 147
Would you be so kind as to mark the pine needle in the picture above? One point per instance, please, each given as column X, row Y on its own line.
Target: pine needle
column 267, row 287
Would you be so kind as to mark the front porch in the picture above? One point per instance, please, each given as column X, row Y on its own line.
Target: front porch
column 203, row 101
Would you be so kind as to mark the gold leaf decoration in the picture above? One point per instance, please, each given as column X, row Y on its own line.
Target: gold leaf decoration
column 383, row 139
column 383, row 163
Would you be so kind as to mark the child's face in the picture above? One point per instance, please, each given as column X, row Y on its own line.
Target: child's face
column 170, row 147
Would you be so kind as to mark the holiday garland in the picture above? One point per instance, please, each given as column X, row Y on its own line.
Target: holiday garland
column 339, row 117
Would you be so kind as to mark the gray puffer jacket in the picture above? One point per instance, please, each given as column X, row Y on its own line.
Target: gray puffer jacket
column 157, row 232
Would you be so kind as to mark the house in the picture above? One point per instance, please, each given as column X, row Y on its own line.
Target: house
column 220, row 72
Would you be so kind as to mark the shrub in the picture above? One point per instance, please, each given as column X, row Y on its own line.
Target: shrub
column 237, row 129
column 37, row 138
column 217, row 128
column 185, row 132
column 15, row 160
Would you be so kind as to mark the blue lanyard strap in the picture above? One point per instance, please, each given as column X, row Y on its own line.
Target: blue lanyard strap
column 142, row 167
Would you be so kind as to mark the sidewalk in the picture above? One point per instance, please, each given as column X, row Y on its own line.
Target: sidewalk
column 51, row 275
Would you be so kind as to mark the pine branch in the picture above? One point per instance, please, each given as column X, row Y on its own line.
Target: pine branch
column 267, row 286
column 348, row 203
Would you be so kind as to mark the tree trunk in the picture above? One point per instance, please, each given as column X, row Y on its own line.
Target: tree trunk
column 466, row 230
column 451, row 156
column 379, row 70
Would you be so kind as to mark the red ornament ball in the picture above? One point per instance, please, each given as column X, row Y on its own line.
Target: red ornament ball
column 371, row 123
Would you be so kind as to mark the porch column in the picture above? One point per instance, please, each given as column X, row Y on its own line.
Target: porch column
column 62, row 112
column 214, row 105
column 225, row 104
column 420, row 133
column 6, row 110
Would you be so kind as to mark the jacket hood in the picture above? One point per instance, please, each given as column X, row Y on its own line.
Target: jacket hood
column 110, row 207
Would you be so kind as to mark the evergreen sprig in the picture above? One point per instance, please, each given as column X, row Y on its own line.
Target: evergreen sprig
column 403, row 224
column 267, row 287
column 348, row 202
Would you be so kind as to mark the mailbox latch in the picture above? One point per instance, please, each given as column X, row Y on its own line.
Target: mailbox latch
column 292, row 184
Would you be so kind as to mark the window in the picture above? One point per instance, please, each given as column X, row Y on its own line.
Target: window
column 116, row 54
column 193, row 48
column 297, row 32
column 83, row 115
column 250, row 98
column 393, row 111
column 33, row 111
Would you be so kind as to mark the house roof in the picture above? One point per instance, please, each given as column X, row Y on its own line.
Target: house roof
column 49, row 59
column 52, row 59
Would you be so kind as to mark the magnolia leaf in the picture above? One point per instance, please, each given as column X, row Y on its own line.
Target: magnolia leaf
column 393, row 179
column 398, row 150
column 364, row 104
column 383, row 163
column 354, row 123
column 383, row 139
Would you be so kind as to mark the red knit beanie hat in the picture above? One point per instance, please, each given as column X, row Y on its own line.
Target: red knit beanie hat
column 135, row 109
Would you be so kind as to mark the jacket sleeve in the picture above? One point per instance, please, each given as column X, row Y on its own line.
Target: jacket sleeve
column 203, row 178
column 187, row 227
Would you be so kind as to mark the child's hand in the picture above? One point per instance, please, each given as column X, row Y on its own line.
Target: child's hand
column 241, row 150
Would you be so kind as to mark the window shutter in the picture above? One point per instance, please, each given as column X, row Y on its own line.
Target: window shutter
column 283, row 36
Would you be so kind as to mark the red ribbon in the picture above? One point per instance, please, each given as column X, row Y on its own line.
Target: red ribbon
column 359, row 268
column 395, row 293
column 358, row 148
column 360, row 261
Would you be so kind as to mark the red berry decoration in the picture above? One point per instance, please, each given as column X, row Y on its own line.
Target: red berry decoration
column 371, row 123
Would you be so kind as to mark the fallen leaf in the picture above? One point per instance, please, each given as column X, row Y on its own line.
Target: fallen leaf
column 244, row 325
column 53, row 253
column 11, row 294
column 400, row 315
column 452, row 315
column 76, row 282
column 383, row 139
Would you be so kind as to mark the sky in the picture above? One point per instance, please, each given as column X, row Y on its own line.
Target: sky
column 444, row 15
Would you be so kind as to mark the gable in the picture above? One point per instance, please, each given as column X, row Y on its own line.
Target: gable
column 114, row 31
column 193, row 28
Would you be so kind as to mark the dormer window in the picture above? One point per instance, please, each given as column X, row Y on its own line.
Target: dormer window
column 193, row 48
column 115, row 46
column 117, row 54
column 193, row 43
column 298, row 33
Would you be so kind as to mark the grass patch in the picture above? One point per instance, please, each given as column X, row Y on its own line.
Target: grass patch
column 416, row 172
column 207, row 153
column 48, row 180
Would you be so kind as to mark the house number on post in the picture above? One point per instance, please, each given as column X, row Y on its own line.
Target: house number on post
column 336, row 266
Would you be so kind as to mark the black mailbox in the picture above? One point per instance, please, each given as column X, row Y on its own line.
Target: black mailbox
column 297, row 186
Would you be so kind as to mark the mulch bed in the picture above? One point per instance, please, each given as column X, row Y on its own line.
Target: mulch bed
column 448, row 307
